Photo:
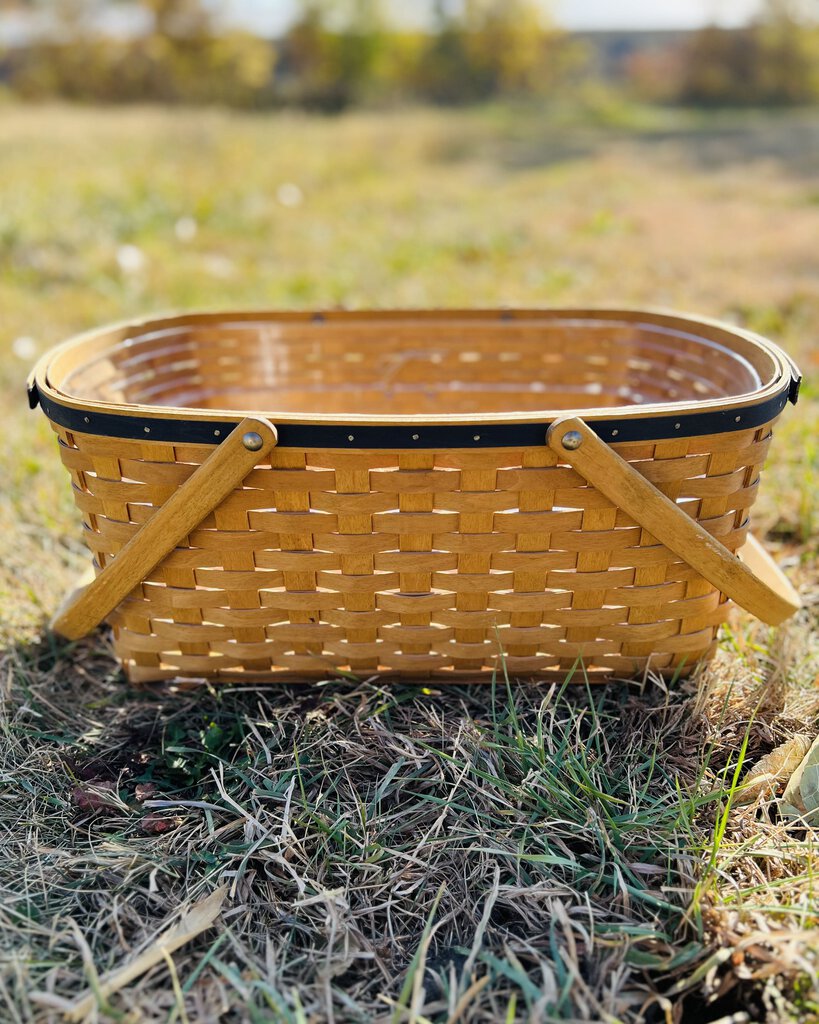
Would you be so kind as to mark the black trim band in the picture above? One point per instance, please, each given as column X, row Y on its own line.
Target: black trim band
column 438, row 436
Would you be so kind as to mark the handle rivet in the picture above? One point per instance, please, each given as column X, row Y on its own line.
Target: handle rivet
column 572, row 440
column 252, row 441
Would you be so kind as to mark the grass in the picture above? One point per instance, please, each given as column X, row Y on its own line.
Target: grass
column 513, row 853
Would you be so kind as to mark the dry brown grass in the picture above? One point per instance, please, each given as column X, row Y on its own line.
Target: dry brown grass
column 480, row 854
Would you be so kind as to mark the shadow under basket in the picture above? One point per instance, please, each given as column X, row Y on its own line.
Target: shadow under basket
column 421, row 494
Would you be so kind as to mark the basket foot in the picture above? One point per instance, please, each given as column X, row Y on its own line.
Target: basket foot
column 84, row 580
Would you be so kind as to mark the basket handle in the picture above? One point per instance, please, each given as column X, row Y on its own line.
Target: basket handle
column 755, row 583
column 193, row 501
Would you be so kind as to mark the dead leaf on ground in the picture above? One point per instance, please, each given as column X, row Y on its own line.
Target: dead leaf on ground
column 801, row 796
column 195, row 920
column 770, row 771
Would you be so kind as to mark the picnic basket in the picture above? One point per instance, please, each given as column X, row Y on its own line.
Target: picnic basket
column 277, row 496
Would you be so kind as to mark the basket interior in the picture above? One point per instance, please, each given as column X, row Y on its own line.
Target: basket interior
column 412, row 366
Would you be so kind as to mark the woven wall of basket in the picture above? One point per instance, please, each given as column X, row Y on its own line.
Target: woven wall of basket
column 278, row 496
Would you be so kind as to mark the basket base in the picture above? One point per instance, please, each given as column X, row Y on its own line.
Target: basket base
column 665, row 666
column 139, row 676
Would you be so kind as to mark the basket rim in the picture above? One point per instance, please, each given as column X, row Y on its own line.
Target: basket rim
column 627, row 422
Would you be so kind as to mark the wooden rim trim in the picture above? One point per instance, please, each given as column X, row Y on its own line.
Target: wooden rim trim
column 776, row 370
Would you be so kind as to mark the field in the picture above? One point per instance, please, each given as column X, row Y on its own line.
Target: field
column 513, row 853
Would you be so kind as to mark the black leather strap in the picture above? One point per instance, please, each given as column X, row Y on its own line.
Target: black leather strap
column 438, row 436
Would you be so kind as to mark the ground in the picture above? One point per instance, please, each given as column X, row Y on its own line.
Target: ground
column 507, row 853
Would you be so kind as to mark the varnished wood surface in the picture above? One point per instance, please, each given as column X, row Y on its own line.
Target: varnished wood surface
column 194, row 499
column 630, row 491
column 419, row 564
column 412, row 366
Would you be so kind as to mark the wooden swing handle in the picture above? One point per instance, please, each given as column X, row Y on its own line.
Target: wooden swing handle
column 755, row 583
column 221, row 473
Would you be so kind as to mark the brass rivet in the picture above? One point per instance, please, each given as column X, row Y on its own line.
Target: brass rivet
column 252, row 441
column 572, row 440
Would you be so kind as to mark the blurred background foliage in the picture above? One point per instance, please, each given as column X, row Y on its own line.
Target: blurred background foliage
column 339, row 53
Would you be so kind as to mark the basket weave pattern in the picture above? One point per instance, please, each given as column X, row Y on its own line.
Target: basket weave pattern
column 427, row 562
column 472, row 366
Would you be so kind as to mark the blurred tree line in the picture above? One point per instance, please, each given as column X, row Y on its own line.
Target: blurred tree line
column 181, row 56
column 775, row 60
column 772, row 61
column 336, row 52
column 344, row 51
column 341, row 52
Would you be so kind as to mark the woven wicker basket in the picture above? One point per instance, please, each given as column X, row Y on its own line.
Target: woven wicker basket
column 416, row 493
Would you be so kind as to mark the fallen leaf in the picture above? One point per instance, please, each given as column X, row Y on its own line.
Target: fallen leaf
column 193, row 922
column 155, row 824
column 801, row 796
column 95, row 796
column 770, row 771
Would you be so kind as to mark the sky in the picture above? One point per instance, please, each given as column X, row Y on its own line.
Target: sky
column 271, row 16
column 589, row 14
